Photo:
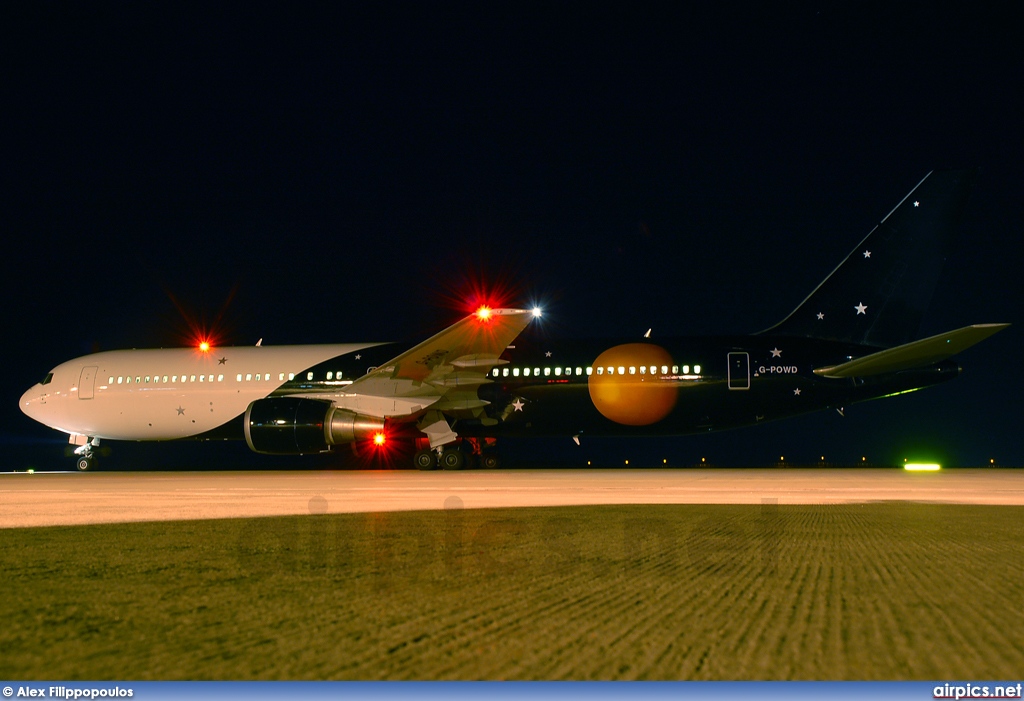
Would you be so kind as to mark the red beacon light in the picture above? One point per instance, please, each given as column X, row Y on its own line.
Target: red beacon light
column 204, row 346
column 379, row 439
column 483, row 313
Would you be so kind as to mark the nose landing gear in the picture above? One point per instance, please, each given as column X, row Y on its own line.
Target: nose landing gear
column 84, row 458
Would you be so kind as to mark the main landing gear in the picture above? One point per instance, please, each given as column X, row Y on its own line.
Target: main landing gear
column 464, row 454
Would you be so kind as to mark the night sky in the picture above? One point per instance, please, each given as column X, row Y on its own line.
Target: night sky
column 318, row 174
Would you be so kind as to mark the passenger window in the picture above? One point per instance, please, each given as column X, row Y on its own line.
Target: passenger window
column 120, row 379
column 202, row 378
column 192, row 379
column 526, row 372
column 515, row 372
column 330, row 375
column 664, row 369
column 536, row 372
column 174, row 378
column 165, row 378
column 686, row 369
column 558, row 372
column 495, row 372
column 309, row 376
column 632, row 370
column 291, row 376
column 696, row 369
column 137, row 379
column 220, row 378
column 238, row 377
column 547, row 372
column 248, row 377
column 643, row 369
column 109, row 382
column 590, row 370
column 147, row 379
column 622, row 370
column 504, row 372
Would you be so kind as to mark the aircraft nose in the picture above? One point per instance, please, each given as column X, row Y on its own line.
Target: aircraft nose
column 31, row 402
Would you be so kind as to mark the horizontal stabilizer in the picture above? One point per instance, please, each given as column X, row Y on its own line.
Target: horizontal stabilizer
column 916, row 354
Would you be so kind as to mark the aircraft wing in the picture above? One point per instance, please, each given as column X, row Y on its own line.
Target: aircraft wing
column 443, row 372
column 914, row 354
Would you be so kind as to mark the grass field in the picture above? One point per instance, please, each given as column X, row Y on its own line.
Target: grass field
column 871, row 591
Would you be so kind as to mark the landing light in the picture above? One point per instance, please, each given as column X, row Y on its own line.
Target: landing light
column 922, row 467
column 537, row 312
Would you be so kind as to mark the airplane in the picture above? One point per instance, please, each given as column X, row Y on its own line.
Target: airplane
column 852, row 339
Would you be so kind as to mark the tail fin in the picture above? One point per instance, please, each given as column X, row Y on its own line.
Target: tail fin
column 879, row 293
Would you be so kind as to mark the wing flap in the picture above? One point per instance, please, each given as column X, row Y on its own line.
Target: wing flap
column 926, row 351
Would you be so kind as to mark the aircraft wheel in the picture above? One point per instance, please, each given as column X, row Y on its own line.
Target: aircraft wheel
column 425, row 460
column 85, row 463
column 490, row 461
column 453, row 460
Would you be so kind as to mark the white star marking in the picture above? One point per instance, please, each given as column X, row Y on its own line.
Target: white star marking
column 867, row 254
column 820, row 316
column 776, row 352
column 548, row 354
column 796, row 392
column 358, row 356
column 518, row 404
column 180, row 411
column 862, row 309
column 916, row 203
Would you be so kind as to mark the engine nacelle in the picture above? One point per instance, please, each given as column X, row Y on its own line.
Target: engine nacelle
column 297, row 425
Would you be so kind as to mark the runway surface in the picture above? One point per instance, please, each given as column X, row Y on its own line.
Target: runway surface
column 49, row 499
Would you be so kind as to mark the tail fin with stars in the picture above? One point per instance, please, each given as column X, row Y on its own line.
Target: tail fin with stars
column 879, row 293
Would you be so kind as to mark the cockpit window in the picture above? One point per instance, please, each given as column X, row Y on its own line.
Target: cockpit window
column 46, row 380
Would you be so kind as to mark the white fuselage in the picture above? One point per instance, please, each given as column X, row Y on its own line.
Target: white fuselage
column 166, row 394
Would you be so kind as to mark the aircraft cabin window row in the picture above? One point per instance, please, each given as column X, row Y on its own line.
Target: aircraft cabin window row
column 173, row 379
column 147, row 379
column 568, row 372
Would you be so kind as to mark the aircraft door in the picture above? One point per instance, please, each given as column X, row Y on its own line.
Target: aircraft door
column 87, row 382
column 739, row 371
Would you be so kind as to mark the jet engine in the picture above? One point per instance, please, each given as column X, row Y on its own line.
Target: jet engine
column 296, row 425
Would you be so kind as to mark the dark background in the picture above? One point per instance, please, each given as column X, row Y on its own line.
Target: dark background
column 317, row 174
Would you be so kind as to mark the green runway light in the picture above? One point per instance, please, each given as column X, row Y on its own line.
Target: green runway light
column 922, row 467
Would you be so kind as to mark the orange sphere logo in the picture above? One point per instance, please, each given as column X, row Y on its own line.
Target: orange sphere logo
column 624, row 394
